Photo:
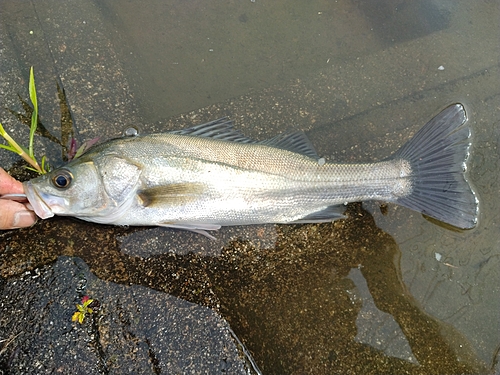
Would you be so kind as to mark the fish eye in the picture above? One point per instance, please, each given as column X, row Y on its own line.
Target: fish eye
column 62, row 179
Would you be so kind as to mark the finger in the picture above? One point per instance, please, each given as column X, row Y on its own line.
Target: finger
column 8, row 184
column 15, row 215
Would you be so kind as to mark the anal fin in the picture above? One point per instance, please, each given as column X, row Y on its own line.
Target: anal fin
column 330, row 213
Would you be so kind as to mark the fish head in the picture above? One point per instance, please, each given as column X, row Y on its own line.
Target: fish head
column 94, row 189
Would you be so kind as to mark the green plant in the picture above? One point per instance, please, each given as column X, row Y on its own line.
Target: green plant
column 27, row 154
column 83, row 309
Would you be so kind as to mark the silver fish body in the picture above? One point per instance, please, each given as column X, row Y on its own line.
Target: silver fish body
column 210, row 176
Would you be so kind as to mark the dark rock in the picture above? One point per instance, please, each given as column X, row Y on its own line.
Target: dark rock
column 136, row 330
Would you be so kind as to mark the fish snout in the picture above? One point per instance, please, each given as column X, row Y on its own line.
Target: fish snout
column 42, row 210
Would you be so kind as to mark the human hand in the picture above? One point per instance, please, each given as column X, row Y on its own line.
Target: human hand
column 13, row 214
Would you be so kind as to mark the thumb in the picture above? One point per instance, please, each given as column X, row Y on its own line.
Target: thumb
column 15, row 215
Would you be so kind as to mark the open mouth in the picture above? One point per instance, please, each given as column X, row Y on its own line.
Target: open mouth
column 41, row 209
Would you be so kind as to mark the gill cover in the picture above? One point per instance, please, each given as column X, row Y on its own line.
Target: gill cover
column 119, row 177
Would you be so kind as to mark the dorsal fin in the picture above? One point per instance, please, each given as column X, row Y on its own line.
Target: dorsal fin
column 294, row 142
column 222, row 129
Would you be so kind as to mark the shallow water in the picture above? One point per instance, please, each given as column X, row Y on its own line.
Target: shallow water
column 377, row 293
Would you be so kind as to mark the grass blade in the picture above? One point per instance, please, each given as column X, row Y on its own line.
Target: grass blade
column 34, row 115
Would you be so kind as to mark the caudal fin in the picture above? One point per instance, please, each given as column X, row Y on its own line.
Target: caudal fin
column 438, row 155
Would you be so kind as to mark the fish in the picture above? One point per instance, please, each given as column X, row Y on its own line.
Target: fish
column 211, row 175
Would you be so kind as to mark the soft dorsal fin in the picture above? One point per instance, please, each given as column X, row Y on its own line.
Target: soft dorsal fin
column 222, row 129
column 295, row 142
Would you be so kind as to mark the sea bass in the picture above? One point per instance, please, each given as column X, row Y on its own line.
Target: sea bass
column 211, row 175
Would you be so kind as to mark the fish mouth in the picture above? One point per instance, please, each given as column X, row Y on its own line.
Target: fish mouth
column 42, row 210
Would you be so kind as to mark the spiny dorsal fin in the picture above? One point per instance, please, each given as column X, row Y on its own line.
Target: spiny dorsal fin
column 222, row 129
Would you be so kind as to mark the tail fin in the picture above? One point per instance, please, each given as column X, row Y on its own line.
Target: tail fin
column 438, row 155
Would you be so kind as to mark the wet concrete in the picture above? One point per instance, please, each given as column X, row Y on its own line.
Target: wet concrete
column 339, row 298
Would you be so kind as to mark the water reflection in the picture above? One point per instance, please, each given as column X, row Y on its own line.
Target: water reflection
column 297, row 305
column 396, row 21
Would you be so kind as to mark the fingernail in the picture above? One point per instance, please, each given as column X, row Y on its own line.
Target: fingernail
column 23, row 219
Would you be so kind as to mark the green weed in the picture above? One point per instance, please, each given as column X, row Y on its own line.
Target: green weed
column 27, row 154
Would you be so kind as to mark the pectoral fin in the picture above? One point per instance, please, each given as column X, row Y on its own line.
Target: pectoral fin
column 172, row 194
